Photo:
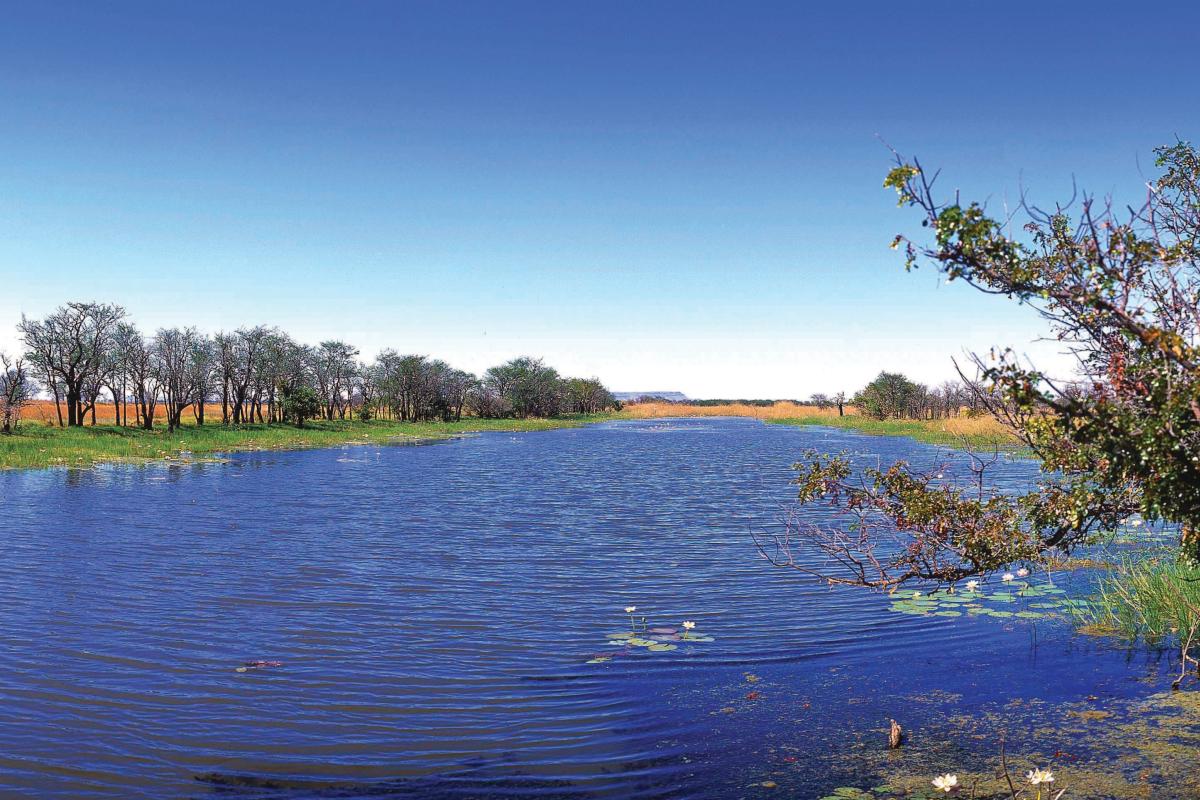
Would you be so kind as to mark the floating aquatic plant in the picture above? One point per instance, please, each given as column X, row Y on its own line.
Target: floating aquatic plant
column 974, row 602
column 658, row 639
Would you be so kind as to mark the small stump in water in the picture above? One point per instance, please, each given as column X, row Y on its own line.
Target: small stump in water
column 895, row 736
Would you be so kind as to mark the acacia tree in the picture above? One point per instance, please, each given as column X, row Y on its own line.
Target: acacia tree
column 204, row 373
column 333, row 366
column 240, row 358
column 69, row 347
column 300, row 403
column 175, row 353
column 889, row 395
column 587, row 395
column 1121, row 289
column 283, row 363
column 138, row 356
column 16, row 390
column 527, row 386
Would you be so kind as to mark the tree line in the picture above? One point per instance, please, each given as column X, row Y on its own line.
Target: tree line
column 83, row 354
column 892, row 395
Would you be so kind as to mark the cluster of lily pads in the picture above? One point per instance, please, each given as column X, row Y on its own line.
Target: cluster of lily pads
column 851, row 793
column 657, row 639
column 1014, row 598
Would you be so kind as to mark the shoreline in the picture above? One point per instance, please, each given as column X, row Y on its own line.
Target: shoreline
column 37, row 446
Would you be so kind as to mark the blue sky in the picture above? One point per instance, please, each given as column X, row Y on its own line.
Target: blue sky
column 676, row 196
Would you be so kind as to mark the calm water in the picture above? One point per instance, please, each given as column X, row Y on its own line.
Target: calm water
column 433, row 609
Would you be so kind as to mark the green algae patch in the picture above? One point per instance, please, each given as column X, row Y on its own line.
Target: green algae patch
column 1129, row 749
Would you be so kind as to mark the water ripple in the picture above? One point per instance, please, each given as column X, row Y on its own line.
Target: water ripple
column 432, row 609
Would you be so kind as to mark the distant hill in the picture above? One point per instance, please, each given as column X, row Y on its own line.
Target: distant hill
column 674, row 397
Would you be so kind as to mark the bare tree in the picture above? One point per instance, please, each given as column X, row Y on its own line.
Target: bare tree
column 333, row 366
column 16, row 390
column 244, row 351
column 205, row 374
column 175, row 352
column 138, row 357
column 69, row 348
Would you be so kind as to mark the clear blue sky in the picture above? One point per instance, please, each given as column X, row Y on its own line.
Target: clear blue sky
column 677, row 196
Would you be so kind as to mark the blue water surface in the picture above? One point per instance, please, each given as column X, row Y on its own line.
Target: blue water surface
column 434, row 609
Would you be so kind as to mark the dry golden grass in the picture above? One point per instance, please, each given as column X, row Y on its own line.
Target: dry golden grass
column 43, row 411
column 970, row 426
column 780, row 410
column 984, row 431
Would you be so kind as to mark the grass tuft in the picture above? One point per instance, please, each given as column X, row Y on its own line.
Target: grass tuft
column 1152, row 600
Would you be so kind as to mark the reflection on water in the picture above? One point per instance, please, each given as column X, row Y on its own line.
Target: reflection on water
column 433, row 611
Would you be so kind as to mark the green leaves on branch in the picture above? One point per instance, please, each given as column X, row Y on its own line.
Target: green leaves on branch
column 895, row 524
column 1121, row 290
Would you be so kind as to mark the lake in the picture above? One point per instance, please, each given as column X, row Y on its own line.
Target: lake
column 433, row 611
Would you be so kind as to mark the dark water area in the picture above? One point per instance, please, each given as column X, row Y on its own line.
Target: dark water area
column 433, row 610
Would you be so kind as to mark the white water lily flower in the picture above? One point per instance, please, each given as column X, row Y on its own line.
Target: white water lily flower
column 916, row 594
column 630, row 609
column 972, row 585
column 1039, row 776
column 1007, row 577
column 945, row 782
column 688, row 624
column 1022, row 572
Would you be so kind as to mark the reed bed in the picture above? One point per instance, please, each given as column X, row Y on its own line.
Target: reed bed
column 978, row 431
column 779, row 411
column 1151, row 599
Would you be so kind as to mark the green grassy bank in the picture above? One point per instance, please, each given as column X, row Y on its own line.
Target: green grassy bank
column 35, row 445
column 983, row 433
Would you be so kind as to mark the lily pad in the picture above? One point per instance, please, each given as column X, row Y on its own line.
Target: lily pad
column 850, row 793
column 913, row 611
column 659, row 647
column 947, row 614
